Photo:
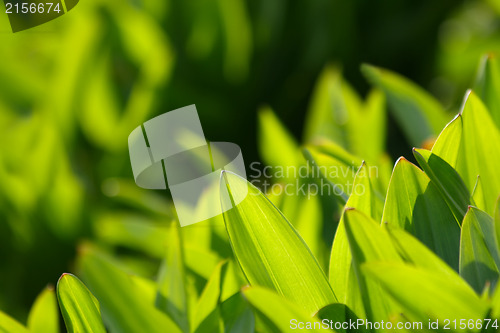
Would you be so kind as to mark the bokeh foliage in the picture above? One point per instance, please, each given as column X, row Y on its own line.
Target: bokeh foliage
column 72, row 90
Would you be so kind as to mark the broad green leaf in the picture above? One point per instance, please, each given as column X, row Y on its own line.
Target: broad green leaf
column 418, row 113
column 415, row 204
column 479, row 254
column 10, row 325
column 479, row 141
column 366, row 200
column 369, row 242
column 447, row 181
column 285, row 315
column 426, row 293
column 487, row 86
column 44, row 314
column 269, row 250
column 277, row 146
column 123, row 307
column 171, row 297
column 80, row 309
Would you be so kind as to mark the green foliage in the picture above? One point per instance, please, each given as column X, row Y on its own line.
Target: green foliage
column 399, row 245
column 79, row 307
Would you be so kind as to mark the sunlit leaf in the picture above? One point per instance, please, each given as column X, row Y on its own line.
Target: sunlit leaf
column 269, row 250
column 369, row 242
column 415, row 204
column 44, row 314
column 80, row 309
column 479, row 141
column 410, row 286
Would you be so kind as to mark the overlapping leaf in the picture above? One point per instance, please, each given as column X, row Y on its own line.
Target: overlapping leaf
column 415, row 204
column 479, row 253
column 466, row 143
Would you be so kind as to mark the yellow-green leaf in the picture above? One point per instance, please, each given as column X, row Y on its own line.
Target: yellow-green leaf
column 269, row 250
column 80, row 309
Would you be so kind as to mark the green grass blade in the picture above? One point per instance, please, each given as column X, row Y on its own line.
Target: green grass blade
column 80, row 309
column 44, row 314
column 418, row 113
column 415, row 204
column 479, row 254
column 269, row 250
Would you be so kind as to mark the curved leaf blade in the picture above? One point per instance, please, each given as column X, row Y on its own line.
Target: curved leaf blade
column 80, row 309
column 414, row 204
column 269, row 250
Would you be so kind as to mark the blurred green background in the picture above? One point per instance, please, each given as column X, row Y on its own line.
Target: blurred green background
column 73, row 89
